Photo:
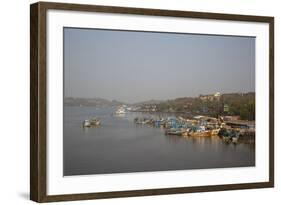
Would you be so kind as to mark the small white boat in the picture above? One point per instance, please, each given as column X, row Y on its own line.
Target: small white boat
column 86, row 123
column 120, row 111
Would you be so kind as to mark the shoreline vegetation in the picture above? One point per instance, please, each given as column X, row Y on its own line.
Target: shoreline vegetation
column 239, row 105
column 229, row 116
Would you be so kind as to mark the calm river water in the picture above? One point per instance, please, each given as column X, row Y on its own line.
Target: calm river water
column 119, row 145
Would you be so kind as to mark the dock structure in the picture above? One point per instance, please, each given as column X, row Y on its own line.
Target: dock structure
column 241, row 124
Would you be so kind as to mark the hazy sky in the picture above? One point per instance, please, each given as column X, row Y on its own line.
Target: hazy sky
column 137, row 66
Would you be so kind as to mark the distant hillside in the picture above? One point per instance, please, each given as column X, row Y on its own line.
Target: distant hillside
column 241, row 104
column 148, row 102
column 70, row 101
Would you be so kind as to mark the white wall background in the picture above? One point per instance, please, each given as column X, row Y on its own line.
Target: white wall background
column 14, row 101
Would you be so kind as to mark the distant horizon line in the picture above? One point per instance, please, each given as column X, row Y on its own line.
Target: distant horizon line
column 159, row 99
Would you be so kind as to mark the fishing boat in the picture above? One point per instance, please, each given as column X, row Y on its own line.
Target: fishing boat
column 235, row 139
column 186, row 133
column 215, row 131
column 174, row 131
column 144, row 121
column 226, row 138
column 229, row 135
column 86, row 123
column 200, row 133
column 93, row 122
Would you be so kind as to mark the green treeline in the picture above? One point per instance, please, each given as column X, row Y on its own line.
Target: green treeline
column 241, row 104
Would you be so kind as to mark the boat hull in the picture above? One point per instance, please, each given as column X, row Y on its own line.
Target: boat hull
column 201, row 134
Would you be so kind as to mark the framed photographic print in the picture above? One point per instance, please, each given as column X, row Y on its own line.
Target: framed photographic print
column 134, row 102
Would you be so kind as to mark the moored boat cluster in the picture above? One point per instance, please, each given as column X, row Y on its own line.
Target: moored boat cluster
column 230, row 130
column 201, row 126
